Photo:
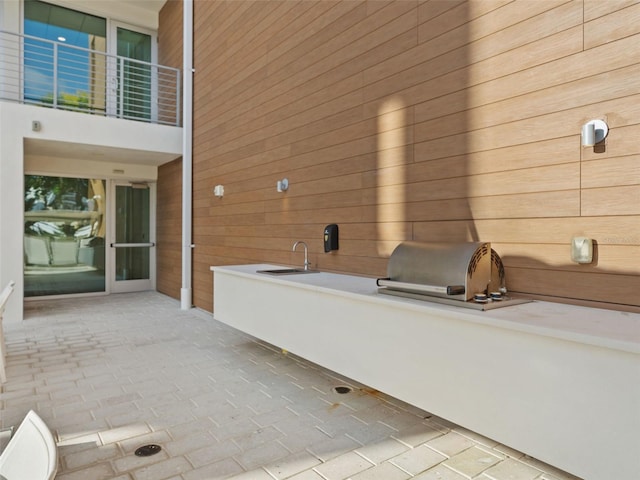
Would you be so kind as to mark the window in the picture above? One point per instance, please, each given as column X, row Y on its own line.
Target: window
column 64, row 235
column 62, row 74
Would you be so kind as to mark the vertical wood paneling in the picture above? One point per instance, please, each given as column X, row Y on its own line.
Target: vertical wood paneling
column 169, row 229
column 169, row 204
column 434, row 121
column 170, row 34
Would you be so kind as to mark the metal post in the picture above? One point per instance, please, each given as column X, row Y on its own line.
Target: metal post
column 178, row 103
column 55, row 75
column 121, row 87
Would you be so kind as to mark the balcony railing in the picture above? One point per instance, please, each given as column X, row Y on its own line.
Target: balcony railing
column 56, row 75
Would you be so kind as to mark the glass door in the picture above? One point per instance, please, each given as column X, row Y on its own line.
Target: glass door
column 133, row 81
column 133, row 237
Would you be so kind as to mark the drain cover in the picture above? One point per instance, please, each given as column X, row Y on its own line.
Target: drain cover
column 342, row 390
column 148, row 450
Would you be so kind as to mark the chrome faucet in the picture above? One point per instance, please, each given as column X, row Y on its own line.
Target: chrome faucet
column 306, row 251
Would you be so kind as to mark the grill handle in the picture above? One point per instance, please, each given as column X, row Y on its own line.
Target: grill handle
column 418, row 287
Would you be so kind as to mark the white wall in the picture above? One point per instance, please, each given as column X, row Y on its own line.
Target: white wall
column 73, row 128
column 42, row 165
column 11, row 217
column 10, row 15
column 85, row 129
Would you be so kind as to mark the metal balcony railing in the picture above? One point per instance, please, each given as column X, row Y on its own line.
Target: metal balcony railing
column 52, row 74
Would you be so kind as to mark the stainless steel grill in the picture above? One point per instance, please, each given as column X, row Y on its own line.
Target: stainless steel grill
column 467, row 274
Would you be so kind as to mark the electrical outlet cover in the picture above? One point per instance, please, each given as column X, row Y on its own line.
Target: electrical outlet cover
column 581, row 250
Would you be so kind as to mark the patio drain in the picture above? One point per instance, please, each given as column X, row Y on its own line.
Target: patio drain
column 342, row 390
column 148, row 450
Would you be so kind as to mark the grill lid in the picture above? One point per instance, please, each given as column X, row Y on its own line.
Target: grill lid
column 451, row 270
column 469, row 275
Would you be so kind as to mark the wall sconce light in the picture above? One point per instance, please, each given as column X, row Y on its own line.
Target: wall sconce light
column 282, row 185
column 218, row 191
column 594, row 132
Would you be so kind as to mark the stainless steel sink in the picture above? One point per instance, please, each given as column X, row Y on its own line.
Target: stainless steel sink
column 287, row 271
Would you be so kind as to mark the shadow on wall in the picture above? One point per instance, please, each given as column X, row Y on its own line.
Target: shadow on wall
column 573, row 282
column 451, row 166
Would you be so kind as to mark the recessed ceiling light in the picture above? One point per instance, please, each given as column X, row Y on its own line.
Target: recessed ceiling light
column 62, row 39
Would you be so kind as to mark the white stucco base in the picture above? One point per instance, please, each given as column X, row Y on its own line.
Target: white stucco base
column 558, row 382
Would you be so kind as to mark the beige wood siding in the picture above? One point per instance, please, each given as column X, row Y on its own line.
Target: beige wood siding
column 169, row 208
column 433, row 121
column 169, row 229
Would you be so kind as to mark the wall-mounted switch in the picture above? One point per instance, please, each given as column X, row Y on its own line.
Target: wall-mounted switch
column 581, row 250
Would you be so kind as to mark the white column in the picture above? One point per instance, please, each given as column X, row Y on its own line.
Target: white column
column 12, row 127
column 187, row 152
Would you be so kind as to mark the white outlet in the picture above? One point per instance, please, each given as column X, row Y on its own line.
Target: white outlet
column 581, row 250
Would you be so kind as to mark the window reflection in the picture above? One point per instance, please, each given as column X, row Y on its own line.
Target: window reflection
column 64, row 232
column 69, row 77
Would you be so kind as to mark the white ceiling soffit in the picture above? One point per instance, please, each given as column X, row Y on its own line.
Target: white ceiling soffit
column 95, row 153
column 143, row 13
column 153, row 5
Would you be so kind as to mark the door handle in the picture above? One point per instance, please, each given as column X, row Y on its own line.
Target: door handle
column 129, row 245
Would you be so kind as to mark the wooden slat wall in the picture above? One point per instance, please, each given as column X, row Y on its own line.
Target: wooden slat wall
column 169, row 206
column 169, row 229
column 436, row 120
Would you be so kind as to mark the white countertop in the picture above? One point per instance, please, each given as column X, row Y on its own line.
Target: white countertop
column 593, row 326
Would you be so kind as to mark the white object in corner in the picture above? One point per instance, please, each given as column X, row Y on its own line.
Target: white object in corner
column 31, row 452
column 4, row 296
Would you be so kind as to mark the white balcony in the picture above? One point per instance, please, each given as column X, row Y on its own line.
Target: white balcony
column 56, row 75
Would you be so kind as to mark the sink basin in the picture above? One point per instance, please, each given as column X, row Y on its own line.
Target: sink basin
column 287, row 271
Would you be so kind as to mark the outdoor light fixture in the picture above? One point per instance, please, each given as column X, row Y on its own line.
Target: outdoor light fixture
column 594, row 132
column 218, row 191
column 282, row 185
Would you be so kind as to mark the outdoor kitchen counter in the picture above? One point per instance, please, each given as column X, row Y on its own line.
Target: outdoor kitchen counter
column 594, row 326
column 558, row 382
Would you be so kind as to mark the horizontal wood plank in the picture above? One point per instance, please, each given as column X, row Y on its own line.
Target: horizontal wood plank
column 429, row 121
column 617, row 24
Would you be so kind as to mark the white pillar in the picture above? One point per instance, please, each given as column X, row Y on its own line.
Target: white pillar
column 187, row 153
column 12, row 126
